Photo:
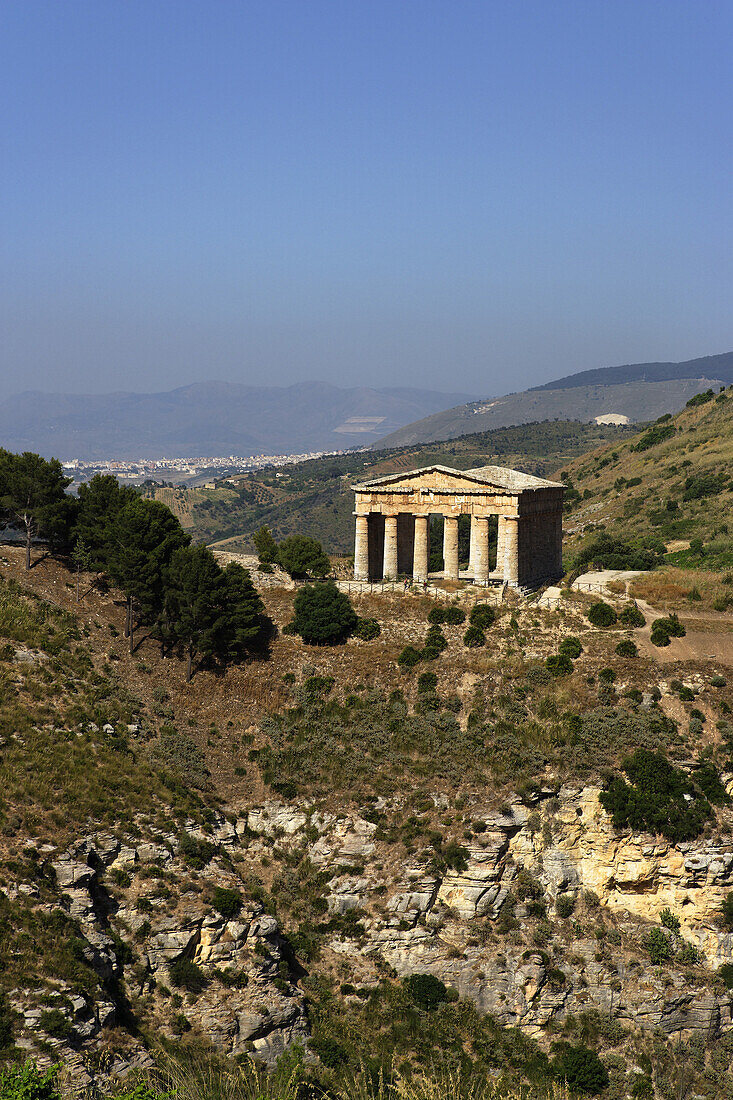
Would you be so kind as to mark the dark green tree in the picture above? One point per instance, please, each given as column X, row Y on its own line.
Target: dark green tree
column 194, row 603
column 323, row 614
column 144, row 537
column 100, row 503
column 265, row 546
column 33, row 497
column 245, row 626
column 303, row 557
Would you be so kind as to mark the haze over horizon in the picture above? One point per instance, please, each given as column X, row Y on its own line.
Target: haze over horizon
column 477, row 198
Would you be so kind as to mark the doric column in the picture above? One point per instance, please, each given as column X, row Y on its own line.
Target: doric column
column 500, row 531
column 511, row 550
column 480, row 527
column 472, row 546
column 450, row 547
column 361, row 548
column 420, row 554
column 390, row 547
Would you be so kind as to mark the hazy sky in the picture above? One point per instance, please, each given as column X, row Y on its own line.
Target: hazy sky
column 460, row 195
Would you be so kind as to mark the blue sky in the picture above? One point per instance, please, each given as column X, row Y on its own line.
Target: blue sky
column 458, row 195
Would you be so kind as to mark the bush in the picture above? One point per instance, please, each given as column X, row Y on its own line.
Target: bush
column 669, row 625
column 570, row 647
column 186, row 975
column 709, row 782
column 659, row 638
column 602, row 614
column 726, row 973
column 581, row 1068
column 323, row 614
column 367, row 629
column 474, row 637
column 436, row 615
column 607, row 552
column 655, row 800
column 657, row 434
column 427, row 681
column 726, row 912
column 453, row 616
column 482, row 616
column 226, row 902
column 564, row 906
column 426, row 990
column 660, row 947
column 436, row 639
column 289, row 628
column 627, row 648
column 559, row 664
column 409, row 657
column 670, row 920
column 607, row 676
column 301, row 557
column 28, row 1082
column 631, row 616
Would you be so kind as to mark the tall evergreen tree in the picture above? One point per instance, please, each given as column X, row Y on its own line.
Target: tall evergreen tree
column 195, row 603
column 244, row 621
column 100, row 501
column 33, row 497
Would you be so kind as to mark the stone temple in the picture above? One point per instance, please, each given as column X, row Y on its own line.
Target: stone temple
column 393, row 513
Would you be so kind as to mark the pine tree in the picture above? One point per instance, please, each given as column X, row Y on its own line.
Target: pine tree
column 196, row 603
column 244, row 623
column 100, row 503
column 33, row 496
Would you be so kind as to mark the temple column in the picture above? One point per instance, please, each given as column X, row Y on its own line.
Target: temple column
column 450, row 547
column 472, row 546
column 420, row 553
column 511, row 550
column 500, row 532
column 361, row 548
column 480, row 526
column 390, row 547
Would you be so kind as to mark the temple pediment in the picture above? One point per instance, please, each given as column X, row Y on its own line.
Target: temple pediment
column 492, row 478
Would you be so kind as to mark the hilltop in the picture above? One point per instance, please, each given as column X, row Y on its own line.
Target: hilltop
column 315, row 497
column 640, row 391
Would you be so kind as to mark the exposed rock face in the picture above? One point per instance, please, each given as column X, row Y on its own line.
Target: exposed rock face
column 140, row 908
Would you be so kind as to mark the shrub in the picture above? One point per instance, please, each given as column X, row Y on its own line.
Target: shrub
column 482, row 616
column 570, row 647
column 55, row 1024
column 227, row 902
column 718, row 681
column 607, row 552
column 453, row 616
column 627, row 648
column 670, row 920
column 474, row 637
column 581, row 1068
column 607, row 676
column 196, row 853
column 658, row 434
column 726, row 912
column 186, row 975
column 564, row 905
column 559, row 664
column 660, row 947
column 427, row 681
column 631, row 616
column 409, row 657
column 367, row 629
column 726, row 973
column 670, row 625
column 436, row 639
column 301, row 557
column 602, row 614
column 426, row 991
column 436, row 615
column 655, row 800
column 323, row 614
column 290, row 628
column 659, row 638
column 28, row 1082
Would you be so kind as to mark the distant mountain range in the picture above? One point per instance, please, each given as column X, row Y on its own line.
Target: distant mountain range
column 211, row 418
column 639, row 391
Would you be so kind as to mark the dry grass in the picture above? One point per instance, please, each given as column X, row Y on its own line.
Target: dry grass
column 670, row 589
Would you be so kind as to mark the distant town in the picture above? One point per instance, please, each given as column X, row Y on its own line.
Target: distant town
column 181, row 471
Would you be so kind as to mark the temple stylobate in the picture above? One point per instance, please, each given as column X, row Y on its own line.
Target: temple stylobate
column 393, row 515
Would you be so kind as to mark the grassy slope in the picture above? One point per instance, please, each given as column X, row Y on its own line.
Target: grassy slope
column 315, row 497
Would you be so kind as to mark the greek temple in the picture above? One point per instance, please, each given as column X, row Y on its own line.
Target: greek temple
column 393, row 514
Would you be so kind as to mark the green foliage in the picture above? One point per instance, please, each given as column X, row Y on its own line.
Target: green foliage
column 559, row 664
column 265, row 546
column 654, row 799
column 196, row 853
column 427, row 682
column 658, row 434
column 581, row 1068
column 227, row 902
column 474, row 637
column 482, row 616
column 627, row 648
column 631, row 616
column 564, row 906
column 185, row 974
column 726, row 912
column 453, row 616
column 726, row 973
column 301, row 556
column 707, row 484
column 28, row 1082
column 670, row 920
column 671, row 625
column 660, row 947
column 601, row 614
column 323, row 614
column 409, row 657
column 33, row 497
column 700, row 399
column 608, row 552
column 707, row 779
column 435, row 639
column 367, row 629
column 570, row 647
column 426, row 991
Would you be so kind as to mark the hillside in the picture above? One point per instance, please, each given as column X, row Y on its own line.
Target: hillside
column 211, row 418
column 324, row 849
column 641, row 391
column 672, row 485
column 315, row 497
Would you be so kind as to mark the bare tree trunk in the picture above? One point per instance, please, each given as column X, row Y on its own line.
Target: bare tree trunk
column 189, row 667
column 128, row 617
column 27, row 545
